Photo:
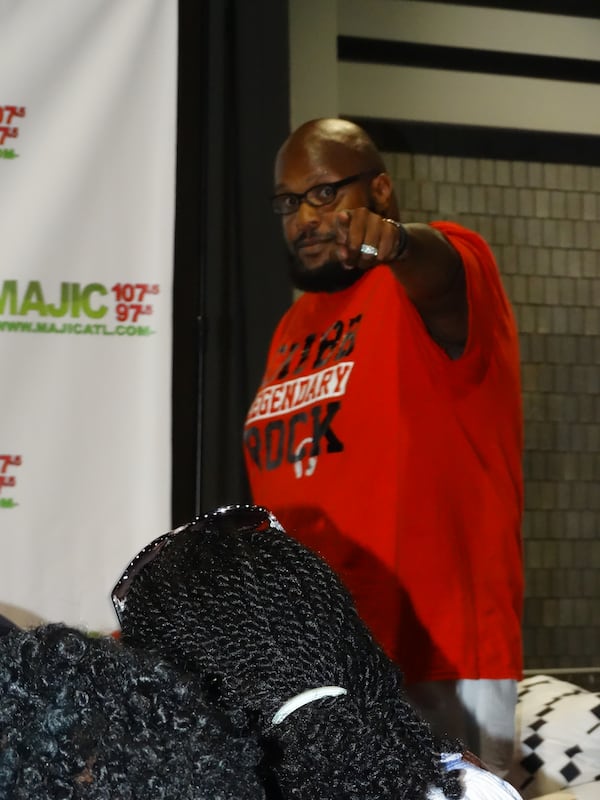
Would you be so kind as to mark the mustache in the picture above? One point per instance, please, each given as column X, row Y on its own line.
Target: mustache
column 308, row 239
column 329, row 277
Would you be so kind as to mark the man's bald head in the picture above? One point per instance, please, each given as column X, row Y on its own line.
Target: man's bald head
column 334, row 142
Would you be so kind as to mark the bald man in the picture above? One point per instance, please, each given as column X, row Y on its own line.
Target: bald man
column 387, row 431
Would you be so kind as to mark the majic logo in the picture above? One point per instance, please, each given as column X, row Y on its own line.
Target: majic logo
column 130, row 304
column 8, row 480
column 8, row 129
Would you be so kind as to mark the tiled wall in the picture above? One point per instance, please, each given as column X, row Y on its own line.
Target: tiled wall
column 543, row 224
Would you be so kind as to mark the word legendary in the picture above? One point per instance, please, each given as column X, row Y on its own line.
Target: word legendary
column 292, row 395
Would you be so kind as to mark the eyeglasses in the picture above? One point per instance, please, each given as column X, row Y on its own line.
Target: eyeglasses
column 227, row 520
column 320, row 195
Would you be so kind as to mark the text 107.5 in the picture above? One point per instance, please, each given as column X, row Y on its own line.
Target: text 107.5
column 133, row 292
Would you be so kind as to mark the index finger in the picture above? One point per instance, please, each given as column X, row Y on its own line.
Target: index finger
column 342, row 224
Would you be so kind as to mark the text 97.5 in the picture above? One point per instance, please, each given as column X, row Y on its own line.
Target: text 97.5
column 129, row 312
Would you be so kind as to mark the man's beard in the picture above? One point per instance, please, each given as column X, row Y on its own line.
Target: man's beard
column 331, row 276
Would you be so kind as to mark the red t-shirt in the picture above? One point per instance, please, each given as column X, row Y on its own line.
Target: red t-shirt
column 402, row 467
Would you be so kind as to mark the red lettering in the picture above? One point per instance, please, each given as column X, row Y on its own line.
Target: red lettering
column 6, row 132
column 12, row 111
column 142, row 288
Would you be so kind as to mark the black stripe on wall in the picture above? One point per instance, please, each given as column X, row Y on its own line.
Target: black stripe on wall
column 471, row 141
column 568, row 8
column 465, row 59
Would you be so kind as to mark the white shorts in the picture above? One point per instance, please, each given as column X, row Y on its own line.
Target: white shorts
column 477, row 784
column 481, row 713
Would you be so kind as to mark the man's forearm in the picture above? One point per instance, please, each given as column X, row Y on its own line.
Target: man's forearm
column 431, row 271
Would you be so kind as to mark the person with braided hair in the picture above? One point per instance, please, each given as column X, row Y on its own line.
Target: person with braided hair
column 271, row 629
column 83, row 717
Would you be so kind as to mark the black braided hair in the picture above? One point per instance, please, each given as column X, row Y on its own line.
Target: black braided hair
column 264, row 619
column 88, row 718
column 7, row 625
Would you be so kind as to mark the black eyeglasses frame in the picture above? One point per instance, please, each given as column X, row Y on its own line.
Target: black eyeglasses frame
column 304, row 197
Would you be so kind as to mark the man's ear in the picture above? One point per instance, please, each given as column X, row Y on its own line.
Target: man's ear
column 382, row 192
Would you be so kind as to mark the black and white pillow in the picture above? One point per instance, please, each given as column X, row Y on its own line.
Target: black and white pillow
column 558, row 737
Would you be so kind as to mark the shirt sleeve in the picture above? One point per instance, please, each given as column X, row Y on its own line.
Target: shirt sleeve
column 490, row 314
column 492, row 325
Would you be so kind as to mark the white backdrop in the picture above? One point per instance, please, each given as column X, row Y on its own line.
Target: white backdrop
column 87, row 196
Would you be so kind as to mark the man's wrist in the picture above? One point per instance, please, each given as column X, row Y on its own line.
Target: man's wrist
column 401, row 249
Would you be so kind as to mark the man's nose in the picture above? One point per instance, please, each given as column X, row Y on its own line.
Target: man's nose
column 307, row 216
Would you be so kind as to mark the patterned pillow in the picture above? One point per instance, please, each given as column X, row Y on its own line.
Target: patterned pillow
column 558, row 737
column 584, row 791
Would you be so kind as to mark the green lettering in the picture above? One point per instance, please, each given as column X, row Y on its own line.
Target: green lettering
column 75, row 300
column 33, row 300
column 94, row 313
column 64, row 302
column 9, row 292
